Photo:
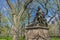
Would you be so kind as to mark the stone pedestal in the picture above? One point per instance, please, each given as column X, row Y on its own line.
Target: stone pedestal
column 37, row 33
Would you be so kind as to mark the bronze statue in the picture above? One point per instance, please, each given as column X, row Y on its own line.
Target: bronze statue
column 40, row 18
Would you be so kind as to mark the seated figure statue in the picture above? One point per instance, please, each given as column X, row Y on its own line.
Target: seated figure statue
column 40, row 18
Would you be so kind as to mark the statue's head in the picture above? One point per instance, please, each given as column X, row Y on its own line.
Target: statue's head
column 40, row 10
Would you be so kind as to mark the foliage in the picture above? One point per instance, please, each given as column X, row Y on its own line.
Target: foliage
column 6, row 38
column 55, row 38
column 9, row 38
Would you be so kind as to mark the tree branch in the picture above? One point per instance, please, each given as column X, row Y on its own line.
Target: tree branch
column 51, row 18
column 24, row 8
column 11, row 6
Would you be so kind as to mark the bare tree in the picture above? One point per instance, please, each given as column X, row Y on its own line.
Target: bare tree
column 16, row 17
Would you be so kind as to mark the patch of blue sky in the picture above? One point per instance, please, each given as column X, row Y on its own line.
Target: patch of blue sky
column 54, row 7
column 42, row 6
column 31, row 19
column 51, row 1
column 3, row 4
column 33, row 13
column 26, row 21
column 30, row 5
column 49, row 13
column 10, row 24
column 3, row 7
column 0, row 4
column 47, row 19
column 33, row 5
column 23, row 1
column 5, row 13
column 13, row 1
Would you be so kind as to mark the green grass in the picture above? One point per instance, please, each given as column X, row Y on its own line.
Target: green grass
column 9, row 38
column 5, row 38
column 21, row 38
column 55, row 38
column 2, row 39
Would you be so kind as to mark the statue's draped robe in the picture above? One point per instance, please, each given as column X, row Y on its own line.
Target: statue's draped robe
column 40, row 19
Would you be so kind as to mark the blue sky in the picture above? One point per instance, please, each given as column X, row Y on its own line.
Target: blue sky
column 3, row 4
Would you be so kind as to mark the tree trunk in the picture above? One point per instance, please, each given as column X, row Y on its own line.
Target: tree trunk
column 15, row 34
column 15, row 28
